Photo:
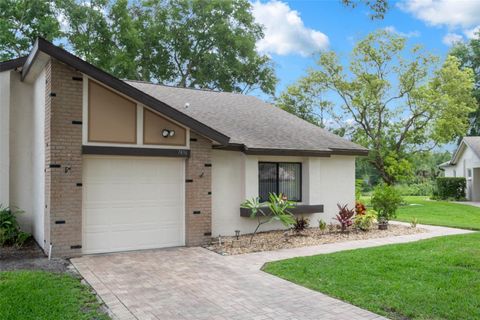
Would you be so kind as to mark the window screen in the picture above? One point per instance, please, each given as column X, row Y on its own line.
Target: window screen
column 280, row 177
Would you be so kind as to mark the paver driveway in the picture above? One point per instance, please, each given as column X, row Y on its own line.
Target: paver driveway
column 194, row 283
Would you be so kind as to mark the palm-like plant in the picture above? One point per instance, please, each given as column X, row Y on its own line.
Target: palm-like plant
column 277, row 205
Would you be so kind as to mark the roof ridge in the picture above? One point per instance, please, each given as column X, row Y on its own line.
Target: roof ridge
column 177, row 87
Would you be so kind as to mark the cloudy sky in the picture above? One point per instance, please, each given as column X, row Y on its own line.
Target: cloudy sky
column 296, row 29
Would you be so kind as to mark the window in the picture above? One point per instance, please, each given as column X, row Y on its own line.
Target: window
column 280, row 177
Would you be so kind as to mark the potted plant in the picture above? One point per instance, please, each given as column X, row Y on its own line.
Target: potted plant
column 385, row 201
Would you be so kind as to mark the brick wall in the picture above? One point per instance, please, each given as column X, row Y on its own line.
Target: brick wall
column 63, row 150
column 63, row 143
column 198, row 220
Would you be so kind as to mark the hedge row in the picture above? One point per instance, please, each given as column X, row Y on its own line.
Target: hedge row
column 451, row 188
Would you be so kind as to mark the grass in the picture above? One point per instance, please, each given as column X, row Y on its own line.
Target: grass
column 440, row 213
column 41, row 295
column 431, row 279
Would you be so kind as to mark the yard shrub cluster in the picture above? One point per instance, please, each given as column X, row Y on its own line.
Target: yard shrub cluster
column 451, row 188
column 416, row 189
column 10, row 233
column 365, row 221
column 386, row 200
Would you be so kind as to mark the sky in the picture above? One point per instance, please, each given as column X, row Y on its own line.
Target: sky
column 295, row 30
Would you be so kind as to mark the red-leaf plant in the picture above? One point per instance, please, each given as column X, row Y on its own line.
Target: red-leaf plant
column 345, row 216
column 360, row 208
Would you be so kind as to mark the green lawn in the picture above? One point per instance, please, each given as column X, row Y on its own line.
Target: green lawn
column 441, row 213
column 431, row 279
column 39, row 295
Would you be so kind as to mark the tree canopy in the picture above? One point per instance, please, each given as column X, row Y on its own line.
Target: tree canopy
column 377, row 8
column 188, row 43
column 469, row 55
column 22, row 22
column 396, row 99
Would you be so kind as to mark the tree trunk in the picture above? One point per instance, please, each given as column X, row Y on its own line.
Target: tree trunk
column 378, row 164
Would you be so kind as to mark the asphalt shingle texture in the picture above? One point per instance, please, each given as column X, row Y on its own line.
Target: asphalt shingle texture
column 247, row 120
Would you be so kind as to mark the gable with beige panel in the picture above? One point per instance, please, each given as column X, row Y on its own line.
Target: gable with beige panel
column 113, row 119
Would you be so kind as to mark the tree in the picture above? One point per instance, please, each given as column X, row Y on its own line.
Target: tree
column 398, row 105
column 188, row 43
column 305, row 101
column 212, row 45
column 22, row 21
column 378, row 8
column 469, row 56
column 89, row 34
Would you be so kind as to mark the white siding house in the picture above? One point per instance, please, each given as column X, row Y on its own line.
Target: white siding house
column 466, row 163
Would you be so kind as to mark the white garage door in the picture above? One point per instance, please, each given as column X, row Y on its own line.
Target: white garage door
column 132, row 203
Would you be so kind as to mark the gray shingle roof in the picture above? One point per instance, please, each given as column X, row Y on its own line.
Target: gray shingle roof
column 248, row 120
column 473, row 143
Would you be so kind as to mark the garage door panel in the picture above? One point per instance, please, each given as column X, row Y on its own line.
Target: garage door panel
column 132, row 203
column 123, row 216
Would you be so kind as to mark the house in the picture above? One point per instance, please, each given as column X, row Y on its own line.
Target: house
column 99, row 164
column 465, row 162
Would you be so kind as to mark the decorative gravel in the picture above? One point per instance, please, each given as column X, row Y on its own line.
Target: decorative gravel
column 281, row 239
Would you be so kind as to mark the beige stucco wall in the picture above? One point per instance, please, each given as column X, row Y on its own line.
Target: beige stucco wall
column 38, row 159
column 326, row 181
column 111, row 117
column 21, row 142
column 26, row 151
column 154, row 124
column 4, row 137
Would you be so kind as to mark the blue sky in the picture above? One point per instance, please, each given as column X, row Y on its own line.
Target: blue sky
column 295, row 27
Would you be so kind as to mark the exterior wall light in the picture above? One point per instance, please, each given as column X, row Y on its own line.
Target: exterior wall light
column 168, row 133
column 237, row 234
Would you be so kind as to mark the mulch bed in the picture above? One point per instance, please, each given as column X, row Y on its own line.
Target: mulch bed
column 30, row 257
column 281, row 239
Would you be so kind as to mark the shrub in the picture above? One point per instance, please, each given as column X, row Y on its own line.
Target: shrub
column 345, row 216
column 358, row 188
column 416, row 189
column 385, row 201
column 277, row 205
column 413, row 222
column 322, row 225
column 365, row 221
column 10, row 233
column 300, row 224
column 451, row 188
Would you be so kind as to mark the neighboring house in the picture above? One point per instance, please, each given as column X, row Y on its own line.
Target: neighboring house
column 466, row 163
column 99, row 164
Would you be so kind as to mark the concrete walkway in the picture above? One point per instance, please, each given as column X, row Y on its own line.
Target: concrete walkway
column 469, row 203
column 194, row 283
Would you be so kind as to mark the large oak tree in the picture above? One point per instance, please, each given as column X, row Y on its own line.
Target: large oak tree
column 397, row 99
column 189, row 43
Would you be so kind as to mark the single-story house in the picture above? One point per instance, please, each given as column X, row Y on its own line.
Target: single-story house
column 465, row 162
column 100, row 164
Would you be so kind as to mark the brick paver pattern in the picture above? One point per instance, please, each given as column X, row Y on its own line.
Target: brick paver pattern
column 194, row 283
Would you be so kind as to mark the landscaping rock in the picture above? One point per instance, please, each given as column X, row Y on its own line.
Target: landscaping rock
column 275, row 240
